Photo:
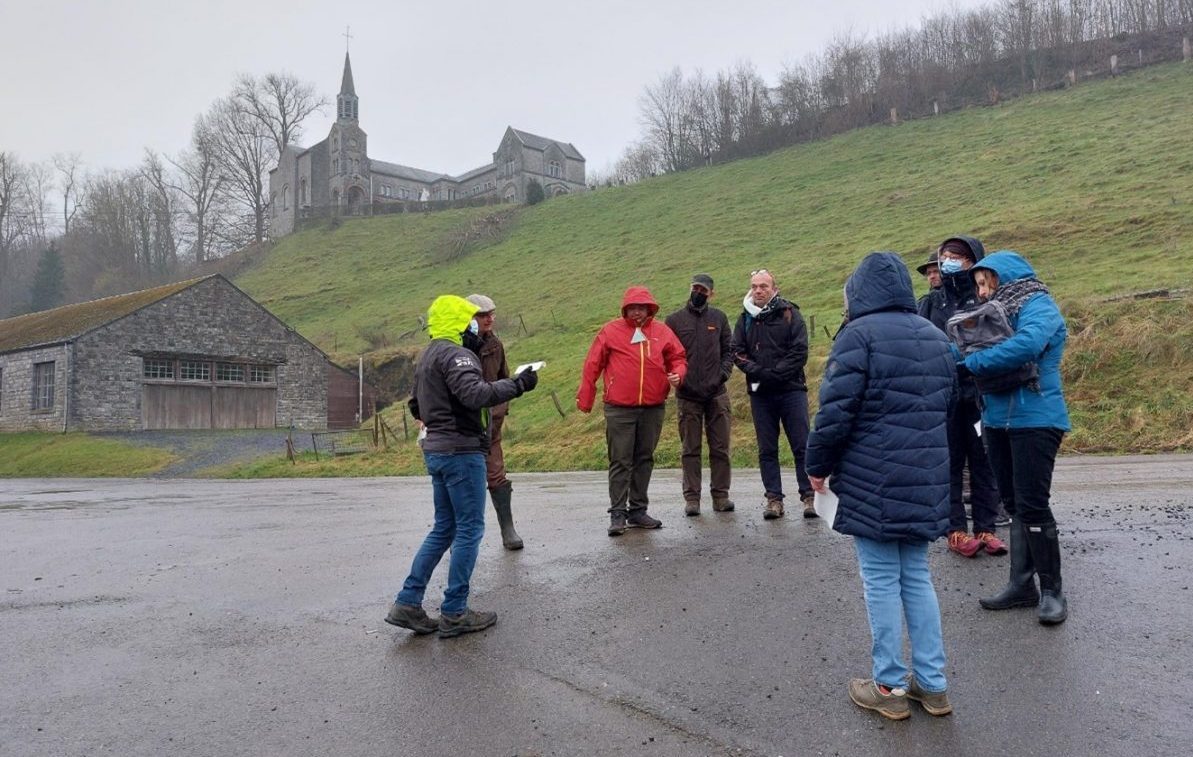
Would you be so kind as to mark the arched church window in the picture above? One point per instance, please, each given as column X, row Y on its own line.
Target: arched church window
column 286, row 197
column 554, row 169
column 302, row 190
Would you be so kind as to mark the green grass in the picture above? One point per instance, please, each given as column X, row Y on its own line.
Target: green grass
column 1094, row 185
column 36, row 455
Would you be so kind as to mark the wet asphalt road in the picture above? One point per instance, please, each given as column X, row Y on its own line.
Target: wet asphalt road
column 244, row 618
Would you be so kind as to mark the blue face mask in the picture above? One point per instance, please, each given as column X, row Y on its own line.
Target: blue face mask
column 951, row 266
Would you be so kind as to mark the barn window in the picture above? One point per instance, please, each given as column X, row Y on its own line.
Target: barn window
column 260, row 374
column 194, row 370
column 158, row 369
column 43, row 386
column 229, row 372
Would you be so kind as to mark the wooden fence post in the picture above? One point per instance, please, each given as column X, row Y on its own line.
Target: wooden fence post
column 1188, row 49
column 894, row 115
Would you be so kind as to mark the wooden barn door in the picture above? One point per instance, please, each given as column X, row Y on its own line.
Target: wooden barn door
column 164, row 406
column 242, row 407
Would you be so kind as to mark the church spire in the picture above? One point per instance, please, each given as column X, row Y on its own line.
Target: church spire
column 347, row 103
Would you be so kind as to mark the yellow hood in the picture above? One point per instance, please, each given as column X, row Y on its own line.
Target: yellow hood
column 448, row 316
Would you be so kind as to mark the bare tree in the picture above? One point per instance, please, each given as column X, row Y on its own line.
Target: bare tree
column 279, row 102
column 162, row 203
column 12, row 182
column 198, row 181
column 69, row 167
column 244, row 150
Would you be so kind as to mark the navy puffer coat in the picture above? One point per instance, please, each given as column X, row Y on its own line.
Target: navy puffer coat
column 880, row 432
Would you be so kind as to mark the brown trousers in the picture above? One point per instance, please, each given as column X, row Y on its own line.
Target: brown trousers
column 695, row 420
column 632, row 433
column 495, row 462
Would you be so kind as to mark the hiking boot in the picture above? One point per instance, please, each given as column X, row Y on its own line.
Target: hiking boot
column 723, row 505
column 774, row 509
column 412, row 617
column 934, row 702
column 963, row 544
column 639, row 519
column 994, row 545
column 809, row 501
column 468, row 621
column 1001, row 518
column 892, row 705
column 691, row 507
column 617, row 523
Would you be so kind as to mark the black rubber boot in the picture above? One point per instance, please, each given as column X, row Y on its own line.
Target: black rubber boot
column 1045, row 552
column 1020, row 590
column 505, row 517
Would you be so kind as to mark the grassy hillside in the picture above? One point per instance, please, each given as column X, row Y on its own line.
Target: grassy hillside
column 1094, row 185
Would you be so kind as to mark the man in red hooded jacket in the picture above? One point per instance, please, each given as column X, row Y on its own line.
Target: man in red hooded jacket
column 641, row 360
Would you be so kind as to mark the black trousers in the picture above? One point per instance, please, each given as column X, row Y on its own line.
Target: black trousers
column 966, row 448
column 1023, row 459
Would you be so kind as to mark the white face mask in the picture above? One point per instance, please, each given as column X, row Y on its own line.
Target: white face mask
column 474, row 327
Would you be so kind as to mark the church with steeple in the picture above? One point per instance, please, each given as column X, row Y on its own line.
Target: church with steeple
column 337, row 176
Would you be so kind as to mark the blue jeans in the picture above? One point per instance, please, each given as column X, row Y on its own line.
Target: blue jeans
column 897, row 584
column 459, row 486
column 791, row 410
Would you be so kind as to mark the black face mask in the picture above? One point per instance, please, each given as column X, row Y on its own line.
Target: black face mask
column 698, row 299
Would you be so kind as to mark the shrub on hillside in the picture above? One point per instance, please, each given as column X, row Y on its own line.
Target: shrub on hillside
column 535, row 193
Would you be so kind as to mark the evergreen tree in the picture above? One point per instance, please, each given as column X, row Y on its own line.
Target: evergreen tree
column 534, row 193
column 49, row 283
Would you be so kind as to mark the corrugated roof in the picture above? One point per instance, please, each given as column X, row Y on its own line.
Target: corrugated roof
column 536, row 142
column 70, row 321
column 405, row 172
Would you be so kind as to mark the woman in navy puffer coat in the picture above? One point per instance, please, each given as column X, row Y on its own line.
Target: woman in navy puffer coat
column 881, row 434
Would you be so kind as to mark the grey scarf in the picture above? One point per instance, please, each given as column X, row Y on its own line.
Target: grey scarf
column 1013, row 295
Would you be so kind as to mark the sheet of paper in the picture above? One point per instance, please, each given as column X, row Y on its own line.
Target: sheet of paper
column 755, row 385
column 535, row 366
column 638, row 336
column 826, row 506
column 978, row 427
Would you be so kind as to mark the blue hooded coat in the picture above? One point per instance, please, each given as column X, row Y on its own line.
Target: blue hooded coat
column 880, row 432
column 1040, row 335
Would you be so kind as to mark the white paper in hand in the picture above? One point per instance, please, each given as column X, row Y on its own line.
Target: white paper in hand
column 826, row 505
column 536, row 366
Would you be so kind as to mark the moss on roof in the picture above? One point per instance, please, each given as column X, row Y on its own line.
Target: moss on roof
column 69, row 321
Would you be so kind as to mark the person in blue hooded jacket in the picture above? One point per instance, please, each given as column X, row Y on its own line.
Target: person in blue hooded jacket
column 1023, row 428
column 881, row 435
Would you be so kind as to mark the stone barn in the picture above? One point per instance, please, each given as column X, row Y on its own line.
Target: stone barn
column 198, row 354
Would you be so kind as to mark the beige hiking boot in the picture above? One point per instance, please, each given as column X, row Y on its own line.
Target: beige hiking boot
column 774, row 509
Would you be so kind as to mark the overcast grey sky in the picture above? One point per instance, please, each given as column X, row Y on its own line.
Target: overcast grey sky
column 438, row 81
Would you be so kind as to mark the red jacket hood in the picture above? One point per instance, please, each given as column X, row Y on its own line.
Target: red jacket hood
column 639, row 296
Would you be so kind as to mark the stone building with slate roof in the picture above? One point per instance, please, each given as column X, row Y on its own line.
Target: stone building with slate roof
column 337, row 176
column 192, row 355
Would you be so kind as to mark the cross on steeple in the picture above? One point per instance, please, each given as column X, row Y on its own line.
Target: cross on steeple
column 347, row 35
